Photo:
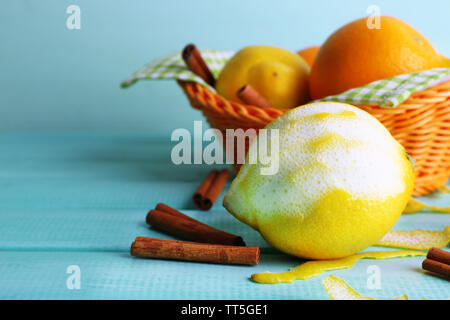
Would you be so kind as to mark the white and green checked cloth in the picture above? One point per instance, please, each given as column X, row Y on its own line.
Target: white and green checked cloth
column 387, row 93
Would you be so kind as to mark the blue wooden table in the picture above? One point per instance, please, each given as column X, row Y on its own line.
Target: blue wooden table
column 81, row 199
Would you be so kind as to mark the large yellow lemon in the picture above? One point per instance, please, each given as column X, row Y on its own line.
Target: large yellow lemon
column 279, row 75
column 342, row 183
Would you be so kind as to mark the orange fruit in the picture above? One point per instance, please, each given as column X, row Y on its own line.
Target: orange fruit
column 355, row 55
column 309, row 54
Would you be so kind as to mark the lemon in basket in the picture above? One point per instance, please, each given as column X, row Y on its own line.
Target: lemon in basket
column 279, row 75
column 342, row 183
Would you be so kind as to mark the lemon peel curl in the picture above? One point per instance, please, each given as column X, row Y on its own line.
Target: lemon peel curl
column 416, row 205
column 314, row 268
column 338, row 289
column 416, row 239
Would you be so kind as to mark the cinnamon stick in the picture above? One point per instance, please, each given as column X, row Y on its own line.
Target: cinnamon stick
column 249, row 95
column 174, row 222
column 164, row 207
column 439, row 255
column 197, row 65
column 209, row 190
column 437, row 267
column 214, row 190
column 203, row 188
column 190, row 251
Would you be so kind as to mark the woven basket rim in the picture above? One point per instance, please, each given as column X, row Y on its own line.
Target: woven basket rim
column 445, row 87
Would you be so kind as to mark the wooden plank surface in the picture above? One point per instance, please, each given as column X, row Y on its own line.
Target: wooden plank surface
column 79, row 199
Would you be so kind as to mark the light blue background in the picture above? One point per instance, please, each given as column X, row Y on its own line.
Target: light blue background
column 52, row 78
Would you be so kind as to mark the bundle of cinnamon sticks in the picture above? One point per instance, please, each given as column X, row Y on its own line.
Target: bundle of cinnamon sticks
column 207, row 244
column 195, row 62
column 208, row 192
column 178, row 224
column 438, row 261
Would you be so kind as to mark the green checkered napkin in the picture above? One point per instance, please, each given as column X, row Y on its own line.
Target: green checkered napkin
column 387, row 93
column 173, row 67
column 390, row 92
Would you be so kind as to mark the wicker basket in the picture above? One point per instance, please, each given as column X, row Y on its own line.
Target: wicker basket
column 421, row 124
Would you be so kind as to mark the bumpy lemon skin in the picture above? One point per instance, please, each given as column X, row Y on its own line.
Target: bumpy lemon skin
column 279, row 75
column 338, row 224
column 363, row 223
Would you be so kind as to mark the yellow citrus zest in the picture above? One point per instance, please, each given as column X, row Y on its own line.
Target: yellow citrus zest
column 314, row 268
column 416, row 205
column 416, row 239
column 338, row 289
